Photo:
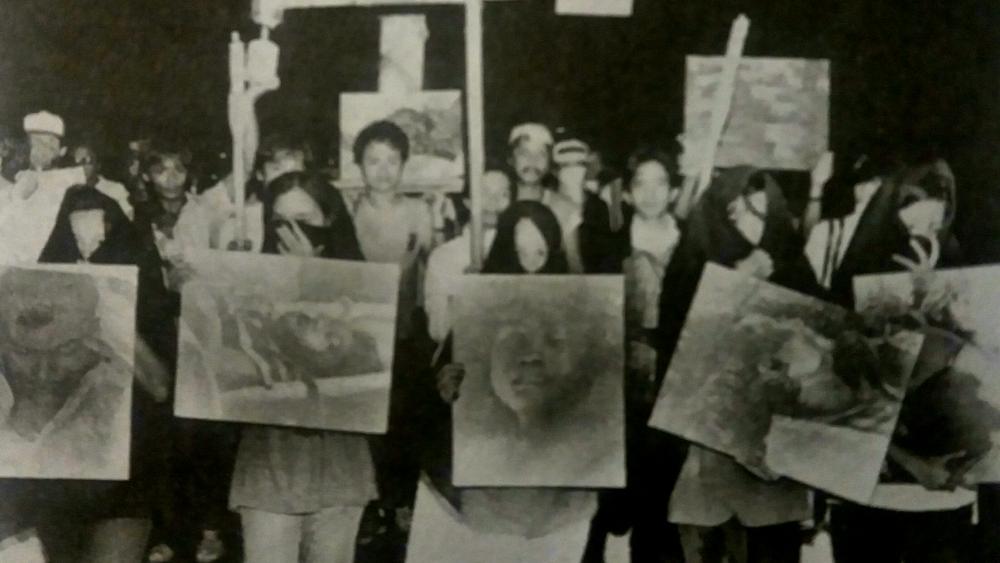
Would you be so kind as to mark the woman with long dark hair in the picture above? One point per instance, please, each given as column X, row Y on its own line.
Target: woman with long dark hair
column 907, row 227
column 301, row 493
column 531, row 524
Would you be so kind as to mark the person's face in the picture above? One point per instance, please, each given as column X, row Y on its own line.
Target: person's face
column 282, row 162
column 45, row 149
column 88, row 230
column 747, row 213
column 532, row 250
column 572, row 176
column 531, row 162
column 924, row 218
column 382, row 167
column 85, row 157
column 169, row 177
column 496, row 197
column 651, row 189
column 297, row 205
column 530, row 366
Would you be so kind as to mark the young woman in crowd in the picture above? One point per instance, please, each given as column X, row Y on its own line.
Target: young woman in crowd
column 301, row 493
column 907, row 227
column 531, row 524
column 103, row 521
column 741, row 222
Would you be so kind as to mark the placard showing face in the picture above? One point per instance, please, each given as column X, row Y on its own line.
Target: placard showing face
column 67, row 337
column 542, row 400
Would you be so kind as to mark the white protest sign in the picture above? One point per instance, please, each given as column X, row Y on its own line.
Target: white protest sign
column 618, row 8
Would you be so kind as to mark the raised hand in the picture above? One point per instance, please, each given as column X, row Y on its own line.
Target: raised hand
column 926, row 259
column 449, row 381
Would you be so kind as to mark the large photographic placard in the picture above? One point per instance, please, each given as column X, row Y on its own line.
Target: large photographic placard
column 287, row 341
column 786, row 384
column 541, row 404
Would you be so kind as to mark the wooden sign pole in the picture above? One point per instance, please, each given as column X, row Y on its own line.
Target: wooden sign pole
column 723, row 98
column 475, row 122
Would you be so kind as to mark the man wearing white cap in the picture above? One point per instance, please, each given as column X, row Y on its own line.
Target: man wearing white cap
column 28, row 209
column 531, row 160
column 45, row 134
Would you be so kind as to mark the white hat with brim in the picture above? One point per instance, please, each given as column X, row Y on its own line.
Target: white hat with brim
column 570, row 152
column 532, row 133
column 44, row 122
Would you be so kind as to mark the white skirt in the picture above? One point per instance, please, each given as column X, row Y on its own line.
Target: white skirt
column 438, row 535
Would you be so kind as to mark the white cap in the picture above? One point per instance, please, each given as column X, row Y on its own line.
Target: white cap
column 570, row 151
column 44, row 122
column 534, row 133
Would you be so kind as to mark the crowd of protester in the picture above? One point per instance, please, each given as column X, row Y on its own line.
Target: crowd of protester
column 211, row 491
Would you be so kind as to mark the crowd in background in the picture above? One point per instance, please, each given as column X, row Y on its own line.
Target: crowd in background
column 551, row 205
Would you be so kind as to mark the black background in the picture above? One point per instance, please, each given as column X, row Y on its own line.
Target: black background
column 912, row 75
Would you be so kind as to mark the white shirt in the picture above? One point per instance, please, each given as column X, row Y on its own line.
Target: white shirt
column 117, row 192
column 209, row 220
column 27, row 223
column 829, row 240
column 445, row 268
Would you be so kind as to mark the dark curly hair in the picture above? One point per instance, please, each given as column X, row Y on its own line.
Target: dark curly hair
column 382, row 132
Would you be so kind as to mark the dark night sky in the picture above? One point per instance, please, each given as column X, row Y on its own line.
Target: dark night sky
column 904, row 74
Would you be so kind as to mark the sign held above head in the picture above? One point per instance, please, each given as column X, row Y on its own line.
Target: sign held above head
column 270, row 13
column 616, row 8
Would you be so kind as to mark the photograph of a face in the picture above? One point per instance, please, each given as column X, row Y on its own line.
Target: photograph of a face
column 67, row 345
column 287, row 341
column 951, row 414
column 542, row 402
column 780, row 112
column 432, row 121
column 786, row 384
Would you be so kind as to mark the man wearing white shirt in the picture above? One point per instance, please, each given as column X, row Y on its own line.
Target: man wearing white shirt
column 448, row 262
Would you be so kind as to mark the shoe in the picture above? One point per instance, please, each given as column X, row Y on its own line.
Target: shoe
column 210, row 548
column 161, row 554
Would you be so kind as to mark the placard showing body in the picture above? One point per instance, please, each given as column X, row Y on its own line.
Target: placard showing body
column 541, row 404
column 431, row 120
column 67, row 343
column 780, row 112
column 951, row 414
column 287, row 341
column 785, row 383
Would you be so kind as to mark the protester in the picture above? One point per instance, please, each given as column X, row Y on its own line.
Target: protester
column 741, row 222
column 594, row 238
column 94, row 520
column 530, row 148
column 45, row 132
column 210, row 222
column 301, row 493
column 392, row 228
column 85, row 155
column 449, row 261
column 532, row 524
column 907, row 227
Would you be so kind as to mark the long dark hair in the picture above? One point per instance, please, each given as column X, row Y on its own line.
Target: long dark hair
column 120, row 245
column 337, row 236
column 503, row 256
